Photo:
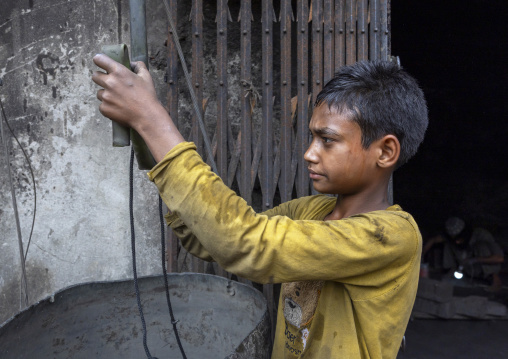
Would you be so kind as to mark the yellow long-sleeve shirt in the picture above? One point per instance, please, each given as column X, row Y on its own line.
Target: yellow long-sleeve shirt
column 348, row 285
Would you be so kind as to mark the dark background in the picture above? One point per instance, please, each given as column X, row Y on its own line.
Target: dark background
column 458, row 52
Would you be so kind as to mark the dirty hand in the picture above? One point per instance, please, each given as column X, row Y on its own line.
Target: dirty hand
column 127, row 97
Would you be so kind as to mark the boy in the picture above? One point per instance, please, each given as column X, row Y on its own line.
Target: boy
column 348, row 265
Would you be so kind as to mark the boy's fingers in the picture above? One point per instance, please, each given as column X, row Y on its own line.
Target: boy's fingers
column 99, row 94
column 99, row 78
column 105, row 62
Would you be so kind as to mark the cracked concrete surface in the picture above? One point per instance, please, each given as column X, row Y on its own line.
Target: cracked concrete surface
column 82, row 231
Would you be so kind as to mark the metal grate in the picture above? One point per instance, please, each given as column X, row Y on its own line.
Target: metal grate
column 328, row 35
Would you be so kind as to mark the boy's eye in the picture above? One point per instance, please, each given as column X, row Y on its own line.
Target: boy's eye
column 327, row 140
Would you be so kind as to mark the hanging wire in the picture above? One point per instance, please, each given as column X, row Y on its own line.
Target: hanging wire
column 133, row 247
column 23, row 254
column 166, row 286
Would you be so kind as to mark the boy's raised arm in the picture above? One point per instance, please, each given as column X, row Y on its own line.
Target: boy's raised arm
column 355, row 250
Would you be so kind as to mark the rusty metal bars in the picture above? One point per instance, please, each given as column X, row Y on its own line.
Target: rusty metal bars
column 171, row 78
column 267, row 127
column 246, row 107
column 375, row 30
column 286, row 128
column 328, row 45
column 222, row 88
column 362, row 30
column 342, row 31
column 384, row 30
column 222, row 97
column 197, row 69
column 340, row 34
column 317, row 47
column 197, row 81
column 302, row 176
column 350, row 32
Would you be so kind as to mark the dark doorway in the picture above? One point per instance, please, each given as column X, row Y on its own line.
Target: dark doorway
column 457, row 50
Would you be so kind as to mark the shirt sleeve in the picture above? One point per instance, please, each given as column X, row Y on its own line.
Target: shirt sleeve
column 192, row 244
column 279, row 249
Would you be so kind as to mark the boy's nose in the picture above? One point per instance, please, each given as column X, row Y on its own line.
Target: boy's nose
column 310, row 154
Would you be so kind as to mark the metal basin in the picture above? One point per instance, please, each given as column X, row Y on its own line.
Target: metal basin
column 218, row 318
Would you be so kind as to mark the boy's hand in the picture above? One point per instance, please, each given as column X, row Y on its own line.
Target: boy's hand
column 127, row 97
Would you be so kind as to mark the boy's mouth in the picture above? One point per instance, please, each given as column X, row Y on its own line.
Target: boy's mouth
column 314, row 175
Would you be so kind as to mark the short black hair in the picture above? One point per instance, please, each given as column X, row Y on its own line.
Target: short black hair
column 383, row 99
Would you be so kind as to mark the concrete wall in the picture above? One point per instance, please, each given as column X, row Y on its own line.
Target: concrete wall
column 81, row 231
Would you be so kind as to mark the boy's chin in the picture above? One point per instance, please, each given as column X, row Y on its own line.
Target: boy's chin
column 321, row 190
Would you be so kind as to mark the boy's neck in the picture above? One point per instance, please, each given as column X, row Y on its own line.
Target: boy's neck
column 368, row 201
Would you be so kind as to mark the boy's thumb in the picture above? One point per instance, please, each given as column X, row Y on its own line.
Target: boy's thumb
column 138, row 67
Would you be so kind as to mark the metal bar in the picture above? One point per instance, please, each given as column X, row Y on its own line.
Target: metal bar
column 374, row 31
column 389, row 27
column 23, row 280
column 236, row 147
column 302, row 176
column 286, row 14
column 246, row 109
column 256, row 160
column 189, row 86
column 197, row 81
column 222, row 88
column 172, row 107
column 362, row 30
column 384, row 30
column 350, row 32
column 197, row 69
column 172, row 69
column 267, row 104
column 328, row 32
column 317, row 47
column 340, row 34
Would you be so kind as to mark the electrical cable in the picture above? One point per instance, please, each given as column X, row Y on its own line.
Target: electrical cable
column 208, row 148
column 133, row 246
column 166, row 286
column 22, row 253
column 29, row 163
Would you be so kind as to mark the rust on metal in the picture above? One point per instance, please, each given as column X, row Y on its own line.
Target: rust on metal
column 246, row 106
column 171, row 78
column 341, row 31
column 328, row 37
column 286, row 125
column 375, row 30
column 340, row 34
column 362, row 30
column 350, row 32
column 197, row 81
column 302, row 175
column 197, row 69
column 222, row 88
column 384, row 30
column 267, row 104
column 317, row 47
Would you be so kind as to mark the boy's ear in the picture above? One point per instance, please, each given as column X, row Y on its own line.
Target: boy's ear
column 388, row 150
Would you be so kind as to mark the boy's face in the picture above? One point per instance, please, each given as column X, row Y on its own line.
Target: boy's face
column 337, row 162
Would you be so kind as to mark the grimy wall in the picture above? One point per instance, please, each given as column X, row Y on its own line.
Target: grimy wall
column 81, row 232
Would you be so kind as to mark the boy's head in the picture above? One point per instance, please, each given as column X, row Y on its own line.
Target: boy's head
column 382, row 99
